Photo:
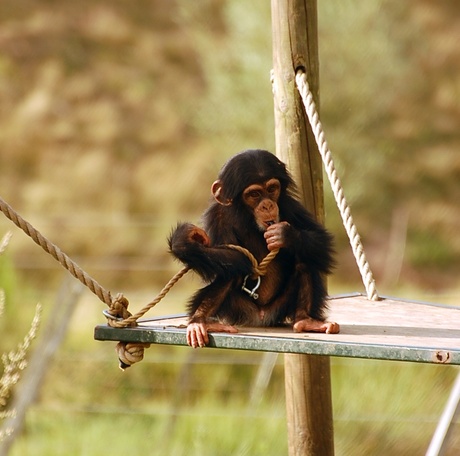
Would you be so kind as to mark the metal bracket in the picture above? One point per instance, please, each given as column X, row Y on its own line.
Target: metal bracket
column 252, row 292
column 107, row 314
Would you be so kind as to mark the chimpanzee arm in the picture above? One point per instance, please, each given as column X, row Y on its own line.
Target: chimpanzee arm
column 192, row 246
column 312, row 246
column 311, row 243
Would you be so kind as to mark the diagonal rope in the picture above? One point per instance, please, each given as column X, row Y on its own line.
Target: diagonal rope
column 55, row 252
column 131, row 320
column 117, row 315
column 257, row 269
column 344, row 208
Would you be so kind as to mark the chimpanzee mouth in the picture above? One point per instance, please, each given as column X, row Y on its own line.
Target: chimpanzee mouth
column 264, row 224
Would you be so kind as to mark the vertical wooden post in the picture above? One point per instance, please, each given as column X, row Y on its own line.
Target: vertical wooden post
column 295, row 45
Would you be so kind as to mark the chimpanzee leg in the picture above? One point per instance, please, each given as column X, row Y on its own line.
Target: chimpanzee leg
column 309, row 315
column 203, row 308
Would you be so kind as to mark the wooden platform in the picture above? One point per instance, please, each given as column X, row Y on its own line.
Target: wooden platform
column 388, row 329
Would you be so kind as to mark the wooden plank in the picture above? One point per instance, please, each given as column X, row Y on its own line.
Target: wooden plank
column 389, row 329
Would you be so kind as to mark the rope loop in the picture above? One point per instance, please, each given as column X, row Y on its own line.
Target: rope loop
column 118, row 315
column 258, row 269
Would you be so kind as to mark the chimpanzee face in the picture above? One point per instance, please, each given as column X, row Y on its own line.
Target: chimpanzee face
column 262, row 200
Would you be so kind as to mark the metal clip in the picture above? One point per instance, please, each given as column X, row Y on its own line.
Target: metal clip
column 107, row 314
column 252, row 292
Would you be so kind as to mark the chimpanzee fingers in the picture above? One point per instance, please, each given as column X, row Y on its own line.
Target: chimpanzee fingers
column 332, row 327
column 309, row 324
column 273, row 241
column 277, row 228
column 275, row 235
column 191, row 338
column 274, row 244
column 197, row 335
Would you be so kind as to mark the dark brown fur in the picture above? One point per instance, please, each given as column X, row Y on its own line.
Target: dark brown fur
column 293, row 288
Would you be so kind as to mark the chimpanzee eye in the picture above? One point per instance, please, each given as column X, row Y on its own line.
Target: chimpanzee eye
column 273, row 189
column 254, row 194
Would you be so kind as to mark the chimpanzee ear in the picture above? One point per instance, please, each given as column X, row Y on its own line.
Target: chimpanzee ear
column 216, row 189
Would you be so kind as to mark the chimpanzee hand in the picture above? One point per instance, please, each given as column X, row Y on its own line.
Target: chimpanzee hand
column 197, row 234
column 197, row 333
column 277, row 235
column 200, row 235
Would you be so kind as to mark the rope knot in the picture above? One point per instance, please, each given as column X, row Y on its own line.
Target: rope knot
column 118, row 309
column 130, row 353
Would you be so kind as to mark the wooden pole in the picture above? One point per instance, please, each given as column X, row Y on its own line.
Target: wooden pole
column 295, row 45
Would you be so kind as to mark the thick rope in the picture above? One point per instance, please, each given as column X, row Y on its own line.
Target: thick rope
column 128, row 353
column 120, row 303
column 55, row 252
column 258, row 269
column 344, row 208
column 131, row 319
column 118, row 315
column 118, row 307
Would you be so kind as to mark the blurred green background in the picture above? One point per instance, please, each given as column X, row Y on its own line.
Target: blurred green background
column 115, row 118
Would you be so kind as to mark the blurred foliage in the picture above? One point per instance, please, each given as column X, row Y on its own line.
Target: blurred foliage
column 393, row 114
column 115, row 118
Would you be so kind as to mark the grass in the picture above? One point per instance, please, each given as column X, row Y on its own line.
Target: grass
column 197, row 402
column 380, row 407
column 205, row 429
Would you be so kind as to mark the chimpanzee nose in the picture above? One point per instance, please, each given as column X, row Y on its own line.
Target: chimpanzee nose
column 267, row 205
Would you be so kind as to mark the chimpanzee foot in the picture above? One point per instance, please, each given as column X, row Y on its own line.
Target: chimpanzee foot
column 197, row 333
column 308, row 324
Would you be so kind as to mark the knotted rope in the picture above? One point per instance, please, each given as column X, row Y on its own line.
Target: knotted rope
column 258, row 269
column 130, row 353
column 122, row 320
column 117, row 315
column 344, row 208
